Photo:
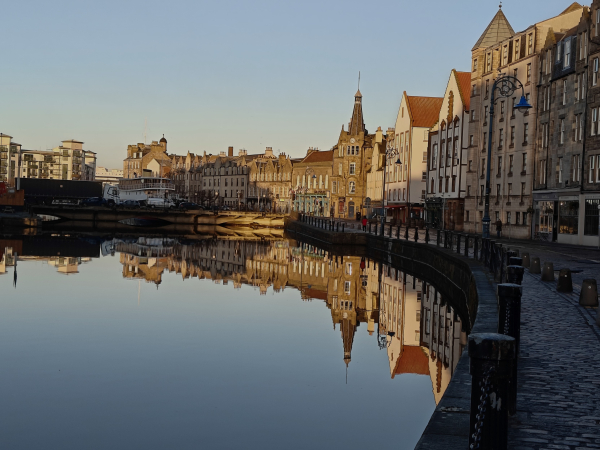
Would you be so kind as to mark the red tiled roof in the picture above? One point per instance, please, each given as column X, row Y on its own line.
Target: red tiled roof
column 464, row 84
column 317, row 156
column 413, row 360
column 424, row 110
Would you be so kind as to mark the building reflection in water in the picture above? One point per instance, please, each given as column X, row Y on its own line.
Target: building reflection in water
column 418, row 328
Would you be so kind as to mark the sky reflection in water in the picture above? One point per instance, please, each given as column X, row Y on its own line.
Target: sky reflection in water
column 102, row 358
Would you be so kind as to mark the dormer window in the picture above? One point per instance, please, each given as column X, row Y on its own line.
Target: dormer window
column 558, row 52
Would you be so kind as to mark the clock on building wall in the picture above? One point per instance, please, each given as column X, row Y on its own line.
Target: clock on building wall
column 352, row 141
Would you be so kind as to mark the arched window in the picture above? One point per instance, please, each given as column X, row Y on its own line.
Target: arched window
column 352, row 187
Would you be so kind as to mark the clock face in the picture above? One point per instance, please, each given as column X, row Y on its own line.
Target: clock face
column 352, row 141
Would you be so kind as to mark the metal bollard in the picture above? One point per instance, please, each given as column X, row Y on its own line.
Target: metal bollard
column 390, row 235
column 416, row 234
column 565, row 282
column 526, row 260
column 491, row 359
column 509, row 324
column 514, row 274
column 406, row 233
column 338, row 227
column 427, row 235
column 548, row 272
column 535, row 266
column 515, row 261
column 589, row 294
column 343, row 226
column 398, row 232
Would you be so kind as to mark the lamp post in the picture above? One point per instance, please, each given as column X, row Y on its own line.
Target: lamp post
column 390, row 152
column 506, row 86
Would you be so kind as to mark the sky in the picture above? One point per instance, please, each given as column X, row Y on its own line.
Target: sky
column 247, row 74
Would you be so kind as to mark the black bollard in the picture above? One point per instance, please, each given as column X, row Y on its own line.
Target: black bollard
column 509, row 324
column 491, row 360
column 338, row 227
column 416, row 234
column 390, row 235
column 398, row 232
column 427, row 235
column 514, row 274
column 565, row 282
column 515, row 261
column 343, row 226
column 406, row 233
column 588, row 296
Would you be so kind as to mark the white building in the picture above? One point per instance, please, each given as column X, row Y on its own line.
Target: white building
column 108, row 175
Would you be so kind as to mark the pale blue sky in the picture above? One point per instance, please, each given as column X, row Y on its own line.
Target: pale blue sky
column 214, row 74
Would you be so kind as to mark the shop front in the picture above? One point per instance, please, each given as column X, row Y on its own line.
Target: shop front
column 316, row 204
column 434, row 212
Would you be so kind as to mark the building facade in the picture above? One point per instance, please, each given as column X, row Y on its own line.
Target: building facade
column 447, row 154
column 310, row 183
column 270, row 182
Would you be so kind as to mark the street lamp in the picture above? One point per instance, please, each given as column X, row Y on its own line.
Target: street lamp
column 506, row 86
column 389, row 153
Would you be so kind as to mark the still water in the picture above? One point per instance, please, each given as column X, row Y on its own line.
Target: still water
column 152, row 343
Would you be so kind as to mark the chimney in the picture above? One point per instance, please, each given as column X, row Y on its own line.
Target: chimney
column 269, row 151
column 230, row 151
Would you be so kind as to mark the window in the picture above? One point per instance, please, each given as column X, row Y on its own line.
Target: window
column 567, row 61
column 471, row 141
column 558, row 52
column 512, row 136
column 524, row 162
column 340, row 169
column 517, row 218
column 575, row 169
column 348, row 268
column 347, row 287
column 510, row 163
column 568, row 217
column 508, row 217
column 509, row 188
column 352, row 168
column 497, row 192
column 564, row 96
column 473, row 90
column 488, row 63
column 530, row 44
column 424, row 176
column 525, row 133
column 352, row 187
column 485, row 113
column 501, row 138
column 472, row 115
column 559, row 169
column 597, row 21
column 590, row 226
column 475, row 65
column 334, row 187
column 499, row 169
column 529, row 73
column 595, row 73
column 543, row 171
column 505, row 55
column 482, row 167
column 562, row 131
column 470, row 165
column 424, row 156
column 502, row 109
column 517, row 45
column 487, row 87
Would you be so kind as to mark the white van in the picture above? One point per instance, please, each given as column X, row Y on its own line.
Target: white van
column 154, row 202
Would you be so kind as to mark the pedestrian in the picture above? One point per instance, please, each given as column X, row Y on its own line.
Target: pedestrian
column 498, row 227
column 364, row 223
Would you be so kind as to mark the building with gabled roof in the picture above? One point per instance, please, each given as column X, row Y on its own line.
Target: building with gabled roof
column 406, row 182
column 310, row 181
column 447, row 153
column 502, row 51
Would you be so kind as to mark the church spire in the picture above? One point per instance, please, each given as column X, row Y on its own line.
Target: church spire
column 357, row 123
column 498, row 30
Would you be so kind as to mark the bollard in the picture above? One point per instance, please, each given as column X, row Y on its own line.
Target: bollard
column 406, row 233
column 526, row 261
column 398, row 232
column 589, row 294
column 564, row 283
column 535, row 266
column 466, row 245
column 427, row 235
column 515, row 261
column 509, row 324
column 338, row 227
column 491, row 360
column 548, row 272
column 514, row 274
column 416, row 234
column 343, row 226
column 390, row 235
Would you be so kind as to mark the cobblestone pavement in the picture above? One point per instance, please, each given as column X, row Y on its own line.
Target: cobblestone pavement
column 559, row 365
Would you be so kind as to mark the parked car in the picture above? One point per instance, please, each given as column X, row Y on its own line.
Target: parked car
column 189, row 205
column 65, row 202
column 130, row 204
column 93, row 201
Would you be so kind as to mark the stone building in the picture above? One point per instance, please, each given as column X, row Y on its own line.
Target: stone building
column 224, row 180
column 270, row 182
column 447, row 154
column 406, row 183
column 375, row 175
column 351, row 163
column 310, row 183
column 140, row 156
column 500, row 50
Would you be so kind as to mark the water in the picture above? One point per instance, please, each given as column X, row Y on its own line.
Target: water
column 218, row 344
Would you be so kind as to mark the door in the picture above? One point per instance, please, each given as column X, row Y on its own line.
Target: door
column 350, row 210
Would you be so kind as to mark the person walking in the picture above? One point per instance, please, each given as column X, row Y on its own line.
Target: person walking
column 498, row 228
column 364, row 223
